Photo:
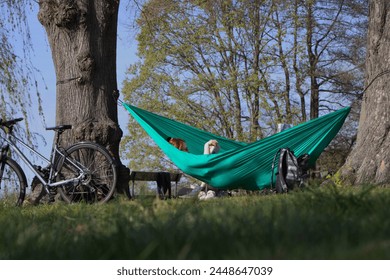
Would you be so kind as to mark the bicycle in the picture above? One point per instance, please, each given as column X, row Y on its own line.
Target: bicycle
column 85, row 171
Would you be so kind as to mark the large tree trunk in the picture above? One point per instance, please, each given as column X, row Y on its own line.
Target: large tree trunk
column 82, row 36
column 369, row 161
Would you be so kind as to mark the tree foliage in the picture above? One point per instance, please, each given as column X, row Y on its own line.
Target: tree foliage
column 239, row 67
column 18, row 83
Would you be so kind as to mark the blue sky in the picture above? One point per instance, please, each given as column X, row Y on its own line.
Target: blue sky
column 42, row 60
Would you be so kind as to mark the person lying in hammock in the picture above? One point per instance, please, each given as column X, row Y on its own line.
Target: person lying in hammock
column 210, row 147
column 204, row 191
column 207, row 191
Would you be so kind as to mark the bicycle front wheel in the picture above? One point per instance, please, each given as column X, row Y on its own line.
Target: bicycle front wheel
column 99, row 175
column 13, row 182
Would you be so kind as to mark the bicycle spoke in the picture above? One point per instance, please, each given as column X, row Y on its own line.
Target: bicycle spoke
column 12, row 182
column 98, row 174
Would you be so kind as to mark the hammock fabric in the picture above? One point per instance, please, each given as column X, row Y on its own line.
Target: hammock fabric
column 237, row 165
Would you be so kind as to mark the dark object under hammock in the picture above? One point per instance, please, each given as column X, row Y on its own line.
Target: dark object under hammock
column 237, row 165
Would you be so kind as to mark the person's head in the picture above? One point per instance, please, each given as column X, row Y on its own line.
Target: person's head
column 178, row 143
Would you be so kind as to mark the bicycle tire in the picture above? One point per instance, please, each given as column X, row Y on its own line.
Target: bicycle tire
column 13, row 182
column 99, row 185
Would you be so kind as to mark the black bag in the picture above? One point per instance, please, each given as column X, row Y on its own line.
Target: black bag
column 292, row 171
column 164, row 184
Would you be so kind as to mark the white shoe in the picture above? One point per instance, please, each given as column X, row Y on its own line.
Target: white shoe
column 210, row 195
column 202, row 195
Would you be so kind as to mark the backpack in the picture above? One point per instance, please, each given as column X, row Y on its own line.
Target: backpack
column 292, row 171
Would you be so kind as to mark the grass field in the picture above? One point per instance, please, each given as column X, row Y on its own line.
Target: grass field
column 316, row 223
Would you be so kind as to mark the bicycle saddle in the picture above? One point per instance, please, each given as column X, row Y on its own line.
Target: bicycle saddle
column 60, row 127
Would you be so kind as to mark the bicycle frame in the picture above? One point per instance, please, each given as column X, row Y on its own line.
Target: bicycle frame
column 56, row 154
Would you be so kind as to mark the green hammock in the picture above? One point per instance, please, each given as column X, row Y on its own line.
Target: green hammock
column 237, row 165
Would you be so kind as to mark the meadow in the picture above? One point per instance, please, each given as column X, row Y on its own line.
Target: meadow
column 314, row 223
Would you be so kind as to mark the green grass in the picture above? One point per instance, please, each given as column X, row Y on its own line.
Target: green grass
column 317, row 223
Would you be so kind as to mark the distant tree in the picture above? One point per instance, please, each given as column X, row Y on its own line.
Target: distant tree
column 334, row 32
column 196, row 57
column 369, row 161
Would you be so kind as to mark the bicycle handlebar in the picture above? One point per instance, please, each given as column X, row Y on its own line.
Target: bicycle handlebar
column 10, row 123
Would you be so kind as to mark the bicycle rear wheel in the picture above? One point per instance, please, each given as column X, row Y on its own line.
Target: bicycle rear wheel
column 13, row 182
column 99, row 182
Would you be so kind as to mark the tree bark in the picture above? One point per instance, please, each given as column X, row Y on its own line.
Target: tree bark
column 313, row 60
column 369, row 161
column 82, row 37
